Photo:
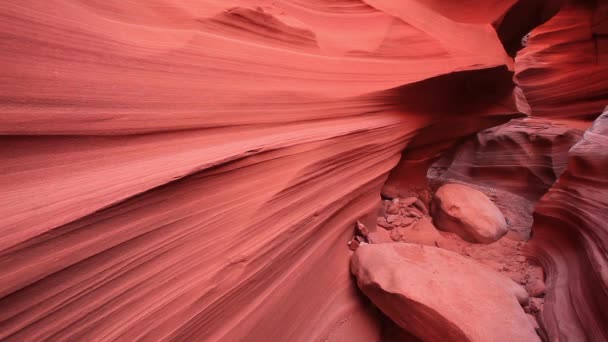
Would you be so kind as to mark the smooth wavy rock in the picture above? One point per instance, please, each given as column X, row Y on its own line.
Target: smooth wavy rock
column 193, row 169
column 562, row 69
column 439, row 295
column 524, row 156
column 514, row 164
column 570, row 239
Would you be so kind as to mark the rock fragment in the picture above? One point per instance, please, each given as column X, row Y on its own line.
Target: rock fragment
column 381, row 221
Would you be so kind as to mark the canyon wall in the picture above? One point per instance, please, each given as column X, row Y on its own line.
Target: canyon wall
column 544, row 175
column 562, row 69
column 193, row 169
column 514, row 164
column 562, row 74
column 570, row 239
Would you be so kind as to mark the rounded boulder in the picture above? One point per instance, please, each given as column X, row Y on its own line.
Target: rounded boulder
column 469, row 213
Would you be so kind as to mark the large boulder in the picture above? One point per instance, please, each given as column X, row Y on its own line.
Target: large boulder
column 438, row 295
column 467, row 212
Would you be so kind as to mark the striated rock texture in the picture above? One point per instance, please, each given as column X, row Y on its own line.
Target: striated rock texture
column 570, row 239
column 562, row 69
column 514, row 164
column 438, row 295
column 524, row 156
column 192, row 170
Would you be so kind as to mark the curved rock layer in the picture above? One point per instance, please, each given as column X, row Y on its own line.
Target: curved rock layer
column 514, row 164
column 192, row 169
column 562, row 69
column 524, row 156
column 570, row 239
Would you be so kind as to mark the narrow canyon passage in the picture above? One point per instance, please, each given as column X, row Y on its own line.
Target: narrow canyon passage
column 303, row 170
column 478, row 204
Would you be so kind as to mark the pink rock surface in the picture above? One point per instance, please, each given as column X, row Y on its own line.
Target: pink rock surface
column 524, row 156
column 184, row 170
column 570, row 239
column 193, row 169
column 513, row 164
column 438, row 295
column 562, row 69
column 468, row 213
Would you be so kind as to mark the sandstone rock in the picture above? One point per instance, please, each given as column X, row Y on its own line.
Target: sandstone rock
column 396, row 234
column 533, row 321
column 362, row 229
column 570, row 241
column 422, row 232
column 391, row 218
column 185, row 163
column 536, row 288
column 514, row 164
column 392, row 209
column 420, row 206
column 406, row 221
column 381, row 221
column 353, row 244
column 534, row 305
column 439, row 295
column 412, row 212
column 406, row 202
column 380, row 236
column 469, row 213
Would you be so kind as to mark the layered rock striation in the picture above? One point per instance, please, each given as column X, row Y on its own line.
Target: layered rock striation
column 192, row 170
column 570, row 235
column 185, row 169
column 514, row 164
column 562, row 68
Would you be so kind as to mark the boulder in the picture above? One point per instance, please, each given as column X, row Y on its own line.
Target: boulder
column 438, row 295
column 468, row 213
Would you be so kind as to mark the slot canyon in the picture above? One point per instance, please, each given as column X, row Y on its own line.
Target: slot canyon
column 304, row 170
